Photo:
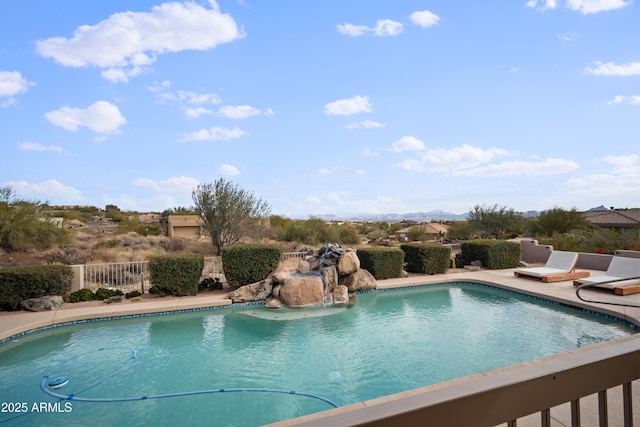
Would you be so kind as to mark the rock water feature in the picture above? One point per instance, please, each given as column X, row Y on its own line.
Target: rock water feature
column 328, row 276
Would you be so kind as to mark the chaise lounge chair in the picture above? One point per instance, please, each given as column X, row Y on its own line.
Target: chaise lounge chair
column 619, row 269
column 560, row 266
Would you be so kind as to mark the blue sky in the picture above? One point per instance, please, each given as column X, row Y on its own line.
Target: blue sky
column 323, row 107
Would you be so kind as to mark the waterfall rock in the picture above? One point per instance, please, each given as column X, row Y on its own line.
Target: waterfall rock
column 361, row 280
column 273, row 302
column 329, row 277
column 258, row 291
column 348, row 263
column 340, row 295
column 46, row 303
column 302, row 291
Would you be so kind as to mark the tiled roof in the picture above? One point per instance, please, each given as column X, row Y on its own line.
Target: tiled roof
column 624, row 218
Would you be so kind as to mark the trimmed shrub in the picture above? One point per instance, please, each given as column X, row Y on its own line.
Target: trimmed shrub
column 246, row 264
column 81, row 295
column 381, row 262
column 24, row 282
column 426, row 259
column 494, row 254
column 176, row 275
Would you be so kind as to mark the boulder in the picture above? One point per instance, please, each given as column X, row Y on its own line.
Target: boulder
column 304, row 267
column 46, row 303
column 258, row 291
column 341, row 295
column 273, row 302
column 302, row 291
column 361, row 280
column 280, row 276
column 348, row 263
column 115, row 298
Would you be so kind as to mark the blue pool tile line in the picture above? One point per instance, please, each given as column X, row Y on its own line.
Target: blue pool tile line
column 625, row 322
column 129, row 316
column 261, row 303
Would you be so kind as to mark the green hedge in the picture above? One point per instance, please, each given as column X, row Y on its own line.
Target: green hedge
column 176, row 275
column 426, row 259
column 246, row 264
column 382, row 263
column 494, row 254
column 24, row 282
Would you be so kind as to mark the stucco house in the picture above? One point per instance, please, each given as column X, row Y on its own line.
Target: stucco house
column 433, row 230
column 184, row 226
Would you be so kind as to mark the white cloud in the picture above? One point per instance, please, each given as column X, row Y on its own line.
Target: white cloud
column 100, row 117
column 624, row 164
column 126, row 43
column 594, row 6
column 424, row 18
column 367, row 124
column 618, row 99
column 613, row 69
column 353, row 30
column 451, row 160
column 214, row 134
column 12, row 83
column 623, row 180
column 63, row 194
column 513, row 168
column 383, row 28
column 583, row 6
column 544, row 4
column 569, row 36
column 407, row 143
column 242, row 111
column 324, row 171
column 194, row 113
column 346, row 107
column 34, row 146
column 174, row 184
column 368, row 153
column 229, row 170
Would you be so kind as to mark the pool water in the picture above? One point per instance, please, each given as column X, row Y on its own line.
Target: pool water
column 389, row 342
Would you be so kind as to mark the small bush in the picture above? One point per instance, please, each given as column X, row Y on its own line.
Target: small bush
column 246, row 264
column 210, row 284
column 426, row 259
column 176, row 275
column 132, row 294
column 381, row 262
column 494, row 254
column 24, row 282
column 103, row 293
column 81, row 295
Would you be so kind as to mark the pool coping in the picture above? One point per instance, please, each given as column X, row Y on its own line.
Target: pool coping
column 17, row 324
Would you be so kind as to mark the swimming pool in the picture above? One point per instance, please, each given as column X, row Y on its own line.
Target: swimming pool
column 389, row 342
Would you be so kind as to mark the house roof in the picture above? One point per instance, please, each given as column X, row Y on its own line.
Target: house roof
column 428, row 227
column 614, row 218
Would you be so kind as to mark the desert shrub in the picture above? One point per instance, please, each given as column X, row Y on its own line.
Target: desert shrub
column 132, row 294
column 426, row 259
column 108, row 244
column 210, row 284
column 493, row 254
column 245, row 264
column 103, row 293
column 24, row 282
column 81, row 295
column 381, row 262
column 176, row 275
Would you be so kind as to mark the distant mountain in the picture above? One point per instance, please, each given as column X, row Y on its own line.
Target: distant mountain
column 436, row 215
column 599, row 208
